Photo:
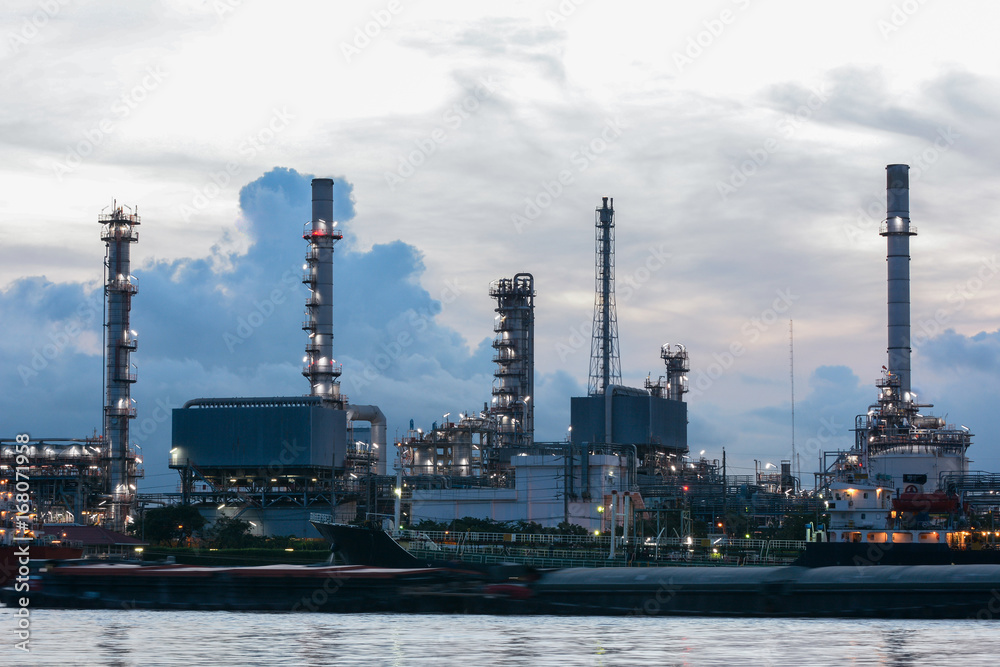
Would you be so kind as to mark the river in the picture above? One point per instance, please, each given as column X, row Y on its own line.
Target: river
column 188, row 639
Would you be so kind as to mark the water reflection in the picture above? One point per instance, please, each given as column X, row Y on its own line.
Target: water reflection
column 190, row 639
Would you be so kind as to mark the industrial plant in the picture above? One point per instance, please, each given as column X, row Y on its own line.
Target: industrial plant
column 277, row 461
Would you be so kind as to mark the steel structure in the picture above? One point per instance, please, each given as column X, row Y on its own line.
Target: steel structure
column 322, row 234
column 605, row 361
column 457, row 449
column 513, row 383
column 118, row 231
column 675, row 358
column 67, row 478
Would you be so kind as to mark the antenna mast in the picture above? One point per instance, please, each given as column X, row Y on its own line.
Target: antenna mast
column 797, row 468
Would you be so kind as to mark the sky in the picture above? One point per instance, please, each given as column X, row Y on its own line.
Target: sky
column 744, row 143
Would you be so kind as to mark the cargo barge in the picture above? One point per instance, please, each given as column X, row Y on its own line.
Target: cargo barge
column 928, row 591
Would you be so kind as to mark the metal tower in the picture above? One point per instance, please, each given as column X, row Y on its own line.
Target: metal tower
column 513, row 383
column 897, row 231
column 605, row 363
column 118, row 231
column 322, row 234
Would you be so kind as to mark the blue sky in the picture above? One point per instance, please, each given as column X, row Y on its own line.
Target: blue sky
column 744, row 143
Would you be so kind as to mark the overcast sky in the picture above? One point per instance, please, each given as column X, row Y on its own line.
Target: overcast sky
column 744, row 143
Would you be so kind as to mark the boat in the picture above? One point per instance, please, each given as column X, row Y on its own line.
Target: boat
column 13, row 557
column 928, row 591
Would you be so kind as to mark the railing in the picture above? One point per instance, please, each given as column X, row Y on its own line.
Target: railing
column 322, row 368
column 332, row 232
column 897, row 226
column 122, row 285
column 116, row 232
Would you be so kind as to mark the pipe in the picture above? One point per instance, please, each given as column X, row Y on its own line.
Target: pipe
column 373, row 415
column 897, row 231
column 614, row 524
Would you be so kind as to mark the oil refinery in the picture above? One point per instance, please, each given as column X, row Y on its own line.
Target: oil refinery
column 278, row 461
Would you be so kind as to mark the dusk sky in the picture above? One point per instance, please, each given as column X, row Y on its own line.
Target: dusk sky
column 744, row 143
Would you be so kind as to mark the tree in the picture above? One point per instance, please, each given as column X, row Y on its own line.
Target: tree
column 230, row 533
column 170, row 526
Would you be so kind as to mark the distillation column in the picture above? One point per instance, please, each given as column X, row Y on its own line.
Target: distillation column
column 605, row 363
column 675, row 358
column 513, row 384
column 321, row 233
column 897, row 231
column 118, row 231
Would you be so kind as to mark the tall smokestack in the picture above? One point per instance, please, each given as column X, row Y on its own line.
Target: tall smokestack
column 897, row 231
column 322, row 234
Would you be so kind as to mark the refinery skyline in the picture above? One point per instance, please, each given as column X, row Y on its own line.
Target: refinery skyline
column 746, row 161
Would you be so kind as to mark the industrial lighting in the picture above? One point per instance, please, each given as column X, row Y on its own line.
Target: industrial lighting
column 221, row 506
